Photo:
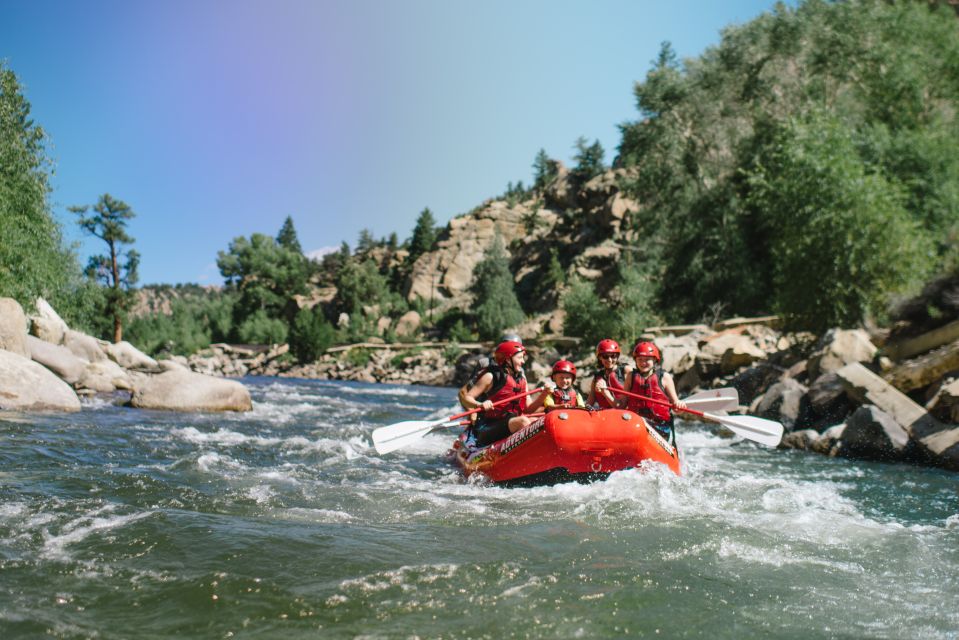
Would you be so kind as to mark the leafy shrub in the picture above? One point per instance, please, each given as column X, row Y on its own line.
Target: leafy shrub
column 311, row 335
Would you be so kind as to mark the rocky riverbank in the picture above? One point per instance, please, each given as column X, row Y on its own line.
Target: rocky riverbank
column 46, row 366
column 889, row 395
column 846, row 393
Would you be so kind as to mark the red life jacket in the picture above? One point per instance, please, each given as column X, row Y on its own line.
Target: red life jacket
column 509, row 387
column 614, row 380
column 651, row 388
column 564, row 398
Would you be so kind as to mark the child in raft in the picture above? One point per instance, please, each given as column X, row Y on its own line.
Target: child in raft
column 560, row 394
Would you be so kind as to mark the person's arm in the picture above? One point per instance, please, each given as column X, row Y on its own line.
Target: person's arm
column 538, row 403
column 670, row 390
column 469, row 399
column 622, row 401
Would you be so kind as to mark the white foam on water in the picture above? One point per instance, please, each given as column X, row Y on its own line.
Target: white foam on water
column 223, row 437
column 91, row 524
column 261, row 494
column 209, row 461
column 319, row 516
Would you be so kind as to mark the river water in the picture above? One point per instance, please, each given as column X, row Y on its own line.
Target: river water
column 284, row 523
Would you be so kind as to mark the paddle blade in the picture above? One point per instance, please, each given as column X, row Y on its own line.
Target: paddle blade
column 714, row 399
column 767, row 432
column 403, row 434
column 712, row 404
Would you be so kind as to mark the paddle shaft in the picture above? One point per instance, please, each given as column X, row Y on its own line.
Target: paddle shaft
column 497, row 403
column 663, row 402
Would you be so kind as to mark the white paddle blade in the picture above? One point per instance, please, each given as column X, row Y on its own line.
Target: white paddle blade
column 403, row 434
column 767, row 432
column 712, row 404
column 728, row 395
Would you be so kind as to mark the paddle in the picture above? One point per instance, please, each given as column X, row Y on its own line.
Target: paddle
column 714, row 400
column 767, row 432
column 402, row 434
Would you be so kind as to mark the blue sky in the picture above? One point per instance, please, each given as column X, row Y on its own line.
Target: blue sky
column 216, row 119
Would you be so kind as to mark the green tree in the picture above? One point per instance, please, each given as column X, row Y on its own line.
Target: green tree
column 424, row 235
column 287, row 237
column 496, row 305
column 266, row 277
column 587, row 316
column 366, row 242
column 545, row 170
column 589, row 159
column 33, row 259
column 311, row 335
column 117, row 270
column 842, row 241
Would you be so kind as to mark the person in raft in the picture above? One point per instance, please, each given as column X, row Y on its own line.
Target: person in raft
column 559, row 394
column 501, row 380
column 610, row 375
column 648, row 379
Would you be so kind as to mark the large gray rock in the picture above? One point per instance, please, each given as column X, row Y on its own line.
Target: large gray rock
column 755, row 380
column 13, row 327
column 83, row 346
column 180, row 390
column 825, row 403
column 782, row 402
column 936, row 441
column 103, row 376
column 47, row 324
column 129, row 357
column 57, row 359
column 28, row 386
column 872, row 433
column 838, row 348
column 408, row 323
column 733, row 350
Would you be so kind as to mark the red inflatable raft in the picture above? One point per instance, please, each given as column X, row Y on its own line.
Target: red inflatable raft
column 568, row 444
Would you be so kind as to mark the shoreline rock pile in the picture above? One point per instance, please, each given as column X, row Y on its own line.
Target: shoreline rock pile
column 46, row 366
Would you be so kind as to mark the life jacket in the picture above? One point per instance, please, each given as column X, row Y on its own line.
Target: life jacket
column 563, row 399
column 504, row 385
column 614, row 380
column 651, row 388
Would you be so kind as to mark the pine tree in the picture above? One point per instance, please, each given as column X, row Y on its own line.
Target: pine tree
column 544, row 170
column 424, row 235
column 497, row 307
column 287, row 238
column 109, row 222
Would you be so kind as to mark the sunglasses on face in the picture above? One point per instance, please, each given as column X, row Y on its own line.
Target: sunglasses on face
column 608, row 356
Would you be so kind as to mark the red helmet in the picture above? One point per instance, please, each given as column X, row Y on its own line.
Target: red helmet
column 564, row 366
column 646, row 349
column 607, row 346
column 506, row 350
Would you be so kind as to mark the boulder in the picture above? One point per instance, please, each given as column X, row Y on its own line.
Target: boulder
column 755, row 380
column 13, row 328
column 83, row 346
column 103, row 376
column 679, row 353
column 408, row 323
column 802, row 439
column 829, row 442
column 825, row 403
column 938, row 443
column 180, row 390
column 945, row 404
column 28, row 386
column 838, row 348
column 129, row 357
column 383, row 325
column 57, row 359
column 47, row 324
column 872, row 433
column 733, row 350
column 782, row 402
